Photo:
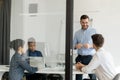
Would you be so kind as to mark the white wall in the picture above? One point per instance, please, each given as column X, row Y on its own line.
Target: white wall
column 51, row 15
column 16, row 19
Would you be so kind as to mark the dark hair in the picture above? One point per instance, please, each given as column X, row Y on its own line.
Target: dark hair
column 15, row 44
column 98, row 40
column 31, row 40
column 84, row 17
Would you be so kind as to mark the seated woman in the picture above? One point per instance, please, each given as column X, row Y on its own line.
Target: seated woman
column 18, row 62
column 102, row 61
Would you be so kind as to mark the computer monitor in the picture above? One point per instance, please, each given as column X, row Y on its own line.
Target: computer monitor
column 43, row 47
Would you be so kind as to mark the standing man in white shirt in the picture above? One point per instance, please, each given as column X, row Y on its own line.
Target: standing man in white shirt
column 101, row 63
column 83, row 43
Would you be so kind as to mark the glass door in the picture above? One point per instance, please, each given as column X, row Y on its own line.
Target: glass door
column 44, row 22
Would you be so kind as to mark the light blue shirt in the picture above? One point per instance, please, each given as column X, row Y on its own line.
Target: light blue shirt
column 83, row 37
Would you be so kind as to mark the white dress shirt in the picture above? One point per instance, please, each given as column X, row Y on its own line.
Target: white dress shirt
column 102, row 64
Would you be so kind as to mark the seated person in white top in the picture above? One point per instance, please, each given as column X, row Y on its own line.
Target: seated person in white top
column 102, row 62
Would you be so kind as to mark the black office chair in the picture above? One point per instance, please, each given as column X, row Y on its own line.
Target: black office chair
column 89, row 79
column 5, row 76
column 54, row 77
column 117, row 77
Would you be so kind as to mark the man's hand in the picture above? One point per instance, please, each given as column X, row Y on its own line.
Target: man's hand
column 78, row 46
column 79, row 65
column 87, row 46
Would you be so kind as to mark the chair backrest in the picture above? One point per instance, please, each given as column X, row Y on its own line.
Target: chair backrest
column 54, row 77
column 117, row 77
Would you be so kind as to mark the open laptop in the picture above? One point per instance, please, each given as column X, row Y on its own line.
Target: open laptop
column 37, row 62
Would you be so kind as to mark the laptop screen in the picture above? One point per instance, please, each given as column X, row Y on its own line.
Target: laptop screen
column 37, row 62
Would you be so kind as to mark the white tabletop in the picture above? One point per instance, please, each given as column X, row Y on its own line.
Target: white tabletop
column 4, row 68
column 57, row 70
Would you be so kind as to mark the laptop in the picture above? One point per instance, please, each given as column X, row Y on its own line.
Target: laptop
column 37, row 62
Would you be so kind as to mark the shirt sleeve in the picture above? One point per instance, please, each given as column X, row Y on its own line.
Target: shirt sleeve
column 24, row 64
column 94, row 63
